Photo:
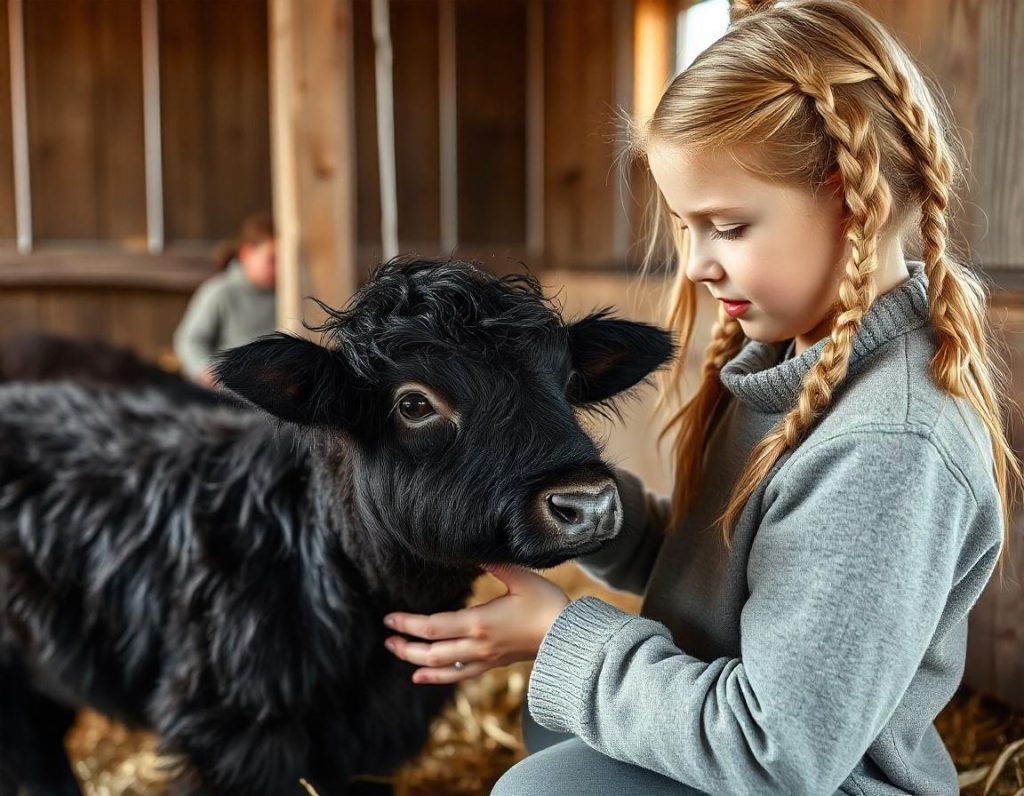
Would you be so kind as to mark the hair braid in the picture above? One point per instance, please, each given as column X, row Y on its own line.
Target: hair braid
column 957, row 301
column 867, row 200
column 948, row 292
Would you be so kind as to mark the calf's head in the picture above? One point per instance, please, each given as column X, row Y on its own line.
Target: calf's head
column 455, row 394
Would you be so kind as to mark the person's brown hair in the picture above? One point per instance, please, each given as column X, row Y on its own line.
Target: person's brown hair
column 798, row 91
column 256, row 229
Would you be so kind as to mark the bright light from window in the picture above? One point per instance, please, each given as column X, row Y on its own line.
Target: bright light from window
column 697, row 28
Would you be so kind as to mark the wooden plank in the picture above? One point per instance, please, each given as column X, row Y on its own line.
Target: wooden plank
column 145, row 321
column 365, row 125
column 313, row 155
column 119, row 143
column 942, row 36
column 238, row 111
column 214, row 106
column 19, row 311
column 491, row 99
column 83, row 66
column 78, row 268
column 995, row 643
column 413, row 28
column 582, row 87
column 998, row 157
column 180, row 44
column 140, row 319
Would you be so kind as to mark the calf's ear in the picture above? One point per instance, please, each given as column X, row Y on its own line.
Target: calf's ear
column 292, row 378
column 611, row 355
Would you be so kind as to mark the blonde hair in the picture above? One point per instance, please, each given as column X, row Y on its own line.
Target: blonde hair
column 799, row 91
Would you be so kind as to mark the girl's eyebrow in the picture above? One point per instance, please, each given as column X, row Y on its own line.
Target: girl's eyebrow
column 710, row 211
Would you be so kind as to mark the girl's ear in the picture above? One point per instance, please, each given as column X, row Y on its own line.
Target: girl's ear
column 611, row 355
column 292, row 378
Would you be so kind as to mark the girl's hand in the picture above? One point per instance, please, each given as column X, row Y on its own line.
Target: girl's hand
column 505, row 630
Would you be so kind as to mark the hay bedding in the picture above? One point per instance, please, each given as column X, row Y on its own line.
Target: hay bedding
column 478, row 736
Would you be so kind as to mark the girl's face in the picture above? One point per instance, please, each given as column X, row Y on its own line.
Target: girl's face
column 776, row 246
column 259, row 261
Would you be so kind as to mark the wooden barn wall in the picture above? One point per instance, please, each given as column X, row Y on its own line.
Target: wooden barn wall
column 581, row 134
column 491, row 131
column 972, row 49
column 86, row 154
column 215, row 115
column 579, row 98
column 83, row 68
column 136, row 318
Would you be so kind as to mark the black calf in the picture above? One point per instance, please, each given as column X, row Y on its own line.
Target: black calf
column 221, row 577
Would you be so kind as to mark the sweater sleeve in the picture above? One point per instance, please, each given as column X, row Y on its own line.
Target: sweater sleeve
column 625, row 562
column 197, row 337
column 849, row 574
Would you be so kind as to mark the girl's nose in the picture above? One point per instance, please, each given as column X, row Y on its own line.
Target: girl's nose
column 701, row 266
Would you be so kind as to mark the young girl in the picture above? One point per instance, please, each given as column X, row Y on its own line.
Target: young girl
column 842, row 476
column 233, row 307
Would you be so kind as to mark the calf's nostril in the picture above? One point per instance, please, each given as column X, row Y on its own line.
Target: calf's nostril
column 565, row 508
column 585, row 513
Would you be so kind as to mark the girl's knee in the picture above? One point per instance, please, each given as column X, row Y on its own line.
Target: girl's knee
column 514, row 782
column 534, row 775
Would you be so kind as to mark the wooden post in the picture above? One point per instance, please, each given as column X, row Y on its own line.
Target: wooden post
column 313, row 154
column 381, row 11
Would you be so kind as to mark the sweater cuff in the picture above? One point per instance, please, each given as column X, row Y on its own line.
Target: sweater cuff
column 569, row 656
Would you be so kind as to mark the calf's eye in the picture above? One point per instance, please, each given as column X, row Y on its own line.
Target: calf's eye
column 415, row 406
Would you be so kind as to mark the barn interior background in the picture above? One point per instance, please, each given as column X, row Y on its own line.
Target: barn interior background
column 141, row 132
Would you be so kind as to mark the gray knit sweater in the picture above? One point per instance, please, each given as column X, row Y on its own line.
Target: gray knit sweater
column 227, row 310
column 813, row 657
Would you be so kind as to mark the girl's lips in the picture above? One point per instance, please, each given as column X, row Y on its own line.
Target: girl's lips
column 735, row 308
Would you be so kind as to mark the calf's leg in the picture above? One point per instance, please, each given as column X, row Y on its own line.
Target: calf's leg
column 32, row 730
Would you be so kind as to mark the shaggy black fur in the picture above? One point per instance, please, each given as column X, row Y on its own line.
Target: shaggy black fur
column 221, row 576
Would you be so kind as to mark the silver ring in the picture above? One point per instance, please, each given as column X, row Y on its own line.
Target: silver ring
column 459, row 665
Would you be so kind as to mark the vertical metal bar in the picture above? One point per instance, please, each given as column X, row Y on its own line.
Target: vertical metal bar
column 19, row 127
column 385, row 128
column 151, row 122
column 535, row 128
column 448, row 125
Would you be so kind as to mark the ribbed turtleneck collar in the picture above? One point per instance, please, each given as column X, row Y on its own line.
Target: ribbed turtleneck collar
column 756, row 376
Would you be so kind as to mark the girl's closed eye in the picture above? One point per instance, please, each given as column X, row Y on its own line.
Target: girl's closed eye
column 727, row 234
column 732, row 233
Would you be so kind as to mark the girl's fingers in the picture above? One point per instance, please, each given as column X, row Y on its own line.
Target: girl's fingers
column 449, row 674
column 447, row 624
column 438, row 654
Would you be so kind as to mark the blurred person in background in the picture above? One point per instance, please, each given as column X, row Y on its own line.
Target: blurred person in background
column 236, row 305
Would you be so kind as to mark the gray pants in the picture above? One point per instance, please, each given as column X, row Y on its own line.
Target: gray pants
column 560, row 764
